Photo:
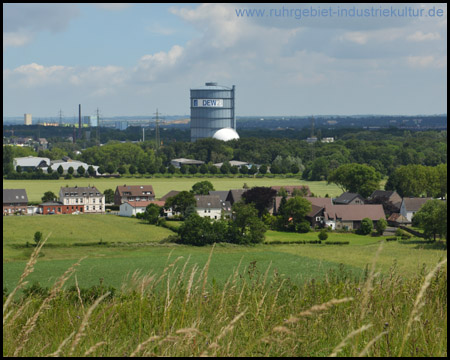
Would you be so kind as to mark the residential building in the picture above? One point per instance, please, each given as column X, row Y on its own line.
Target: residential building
column 57, row 207
column 133, row 208
column 349, row 217
column 222, row 194
column 235, row 195
column 209, row 206
column 349, row 198
column 133, row 193
column 390, row 200
column 397, row 219
column 304, row 189
column 170, row 194
column 411, row 205
column 92, row 199
column 15, row 200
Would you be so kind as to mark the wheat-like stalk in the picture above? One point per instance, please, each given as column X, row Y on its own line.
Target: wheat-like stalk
column 29, row 268
column 419, row 303
column 371, row 342
column 348, row 337
column 64, row 342
column 24, row 336
column 93, row 348
column 84, row 323
column 141, row 345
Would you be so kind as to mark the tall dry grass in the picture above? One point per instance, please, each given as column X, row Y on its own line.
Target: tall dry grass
column 255, row 313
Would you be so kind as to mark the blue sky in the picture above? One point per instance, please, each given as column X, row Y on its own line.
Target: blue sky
column 129, row 59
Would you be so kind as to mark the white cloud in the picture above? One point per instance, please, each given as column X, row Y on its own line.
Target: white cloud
column 160, row 30
column 420, row 36
column 355, row 37
column 428, row 61
column 16, row 39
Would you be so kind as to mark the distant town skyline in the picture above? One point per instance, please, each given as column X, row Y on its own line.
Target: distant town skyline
column 285, row 59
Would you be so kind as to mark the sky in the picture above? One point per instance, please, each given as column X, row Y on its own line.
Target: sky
column 286, row 59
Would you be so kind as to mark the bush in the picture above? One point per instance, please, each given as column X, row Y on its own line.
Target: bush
column 323, row 235
column 391, row 239
column 337, row 242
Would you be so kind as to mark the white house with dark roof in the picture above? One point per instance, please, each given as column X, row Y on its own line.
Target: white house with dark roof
column 412, row 205
column 92, row 199
column 209, row 206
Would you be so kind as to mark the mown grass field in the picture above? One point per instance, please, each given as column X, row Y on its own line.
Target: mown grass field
column 134, row 245
column 36, row 188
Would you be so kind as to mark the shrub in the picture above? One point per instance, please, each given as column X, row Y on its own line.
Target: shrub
column 337, row 242
column 323, row 235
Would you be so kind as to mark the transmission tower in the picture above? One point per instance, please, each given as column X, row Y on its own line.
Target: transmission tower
column 157, row 140
column 60, row 117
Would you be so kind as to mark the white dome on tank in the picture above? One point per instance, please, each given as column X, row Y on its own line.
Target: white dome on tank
column 226, row 134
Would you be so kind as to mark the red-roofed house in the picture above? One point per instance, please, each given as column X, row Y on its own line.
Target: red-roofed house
column 128, row 193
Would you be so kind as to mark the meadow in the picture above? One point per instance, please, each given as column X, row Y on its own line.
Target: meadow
column 36, row 188
column 180, row 312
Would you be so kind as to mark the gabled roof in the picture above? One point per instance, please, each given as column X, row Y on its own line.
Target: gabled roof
column 291, row 188
column 208, row 201
column 14, row 196
column 356, row 212
column 169, row 194
column 80, row 191
column 347, row 197
column 235, row 195
column 414, row 204
column 382, row 193
column 399, row 218
column 135, row 190
column 222, row 194
column 136, row 204
column 314, row 210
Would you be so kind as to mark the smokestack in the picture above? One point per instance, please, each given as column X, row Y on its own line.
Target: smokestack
column 79, row 121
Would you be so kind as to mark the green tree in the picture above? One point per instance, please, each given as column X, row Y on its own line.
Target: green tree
column 193, row 169
column 80, row 170
column 432, row 218
column 263, row 169
column 48, row 196
column 37, row 237
column 248, row 228
column 203, row 169
column 261, row 197
column 132, row 169
column 101, row 170
column 152, row 212
column 91, row 170
column 180, row 202
column 19, row 169
column 171, row 169
column 366, row 226
column 213, row 169
column 294, row 212
column 243, row 170
column 234, row 170
column 381, row 226
column 49, row 170
column 323, row 235
column 121, row 170
column 109, row 196
column 184, row 169
column 196, row 230
column 356, row 178
column 202, row 188
column 225, row 168
column 60, row 170
column 110, row 168
column 70, row 171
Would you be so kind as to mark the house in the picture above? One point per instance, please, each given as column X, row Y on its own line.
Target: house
column 411, row 205
column 133, row 207
column 316, row 216
column 390, row 200
column 349, row 217
column 170, row 194
column 31, row 163
column 209, row 206
column 92, row 199
column 222, row 194
column 349, row 198
column 57, row 207
column 133, row 193
column 14, row 200
column 235, row 195
column 303, row 189
column 397, row 219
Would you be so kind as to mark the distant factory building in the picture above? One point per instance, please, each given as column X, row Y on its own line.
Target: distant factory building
column 27, row 119
column 178, row 162
column 91, row 121
column 212, row 109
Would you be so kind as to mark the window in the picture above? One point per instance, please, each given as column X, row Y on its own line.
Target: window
column 87, row 207
column 76, row 200
column 93, row 208
column 93, row 200
column 59, row 209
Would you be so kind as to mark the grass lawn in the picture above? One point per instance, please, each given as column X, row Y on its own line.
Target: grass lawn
column 134, row 245
column 36, row 188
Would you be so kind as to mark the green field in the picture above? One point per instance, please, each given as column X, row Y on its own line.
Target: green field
column 36, row 188
column 133, row 245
